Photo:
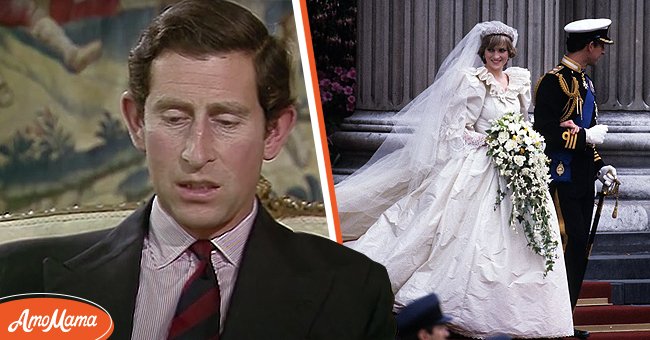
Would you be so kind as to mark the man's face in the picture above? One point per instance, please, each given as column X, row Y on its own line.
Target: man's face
column 596, row 50
column 438, row 332
column 204, row 135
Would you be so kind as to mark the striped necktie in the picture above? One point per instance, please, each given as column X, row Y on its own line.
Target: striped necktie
column 197, row 312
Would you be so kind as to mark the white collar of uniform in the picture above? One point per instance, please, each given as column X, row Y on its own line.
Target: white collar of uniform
column 572, row 64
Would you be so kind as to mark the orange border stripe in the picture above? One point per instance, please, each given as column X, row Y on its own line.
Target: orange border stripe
column 321, row 121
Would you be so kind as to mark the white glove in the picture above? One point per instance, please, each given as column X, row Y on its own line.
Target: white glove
column 607, row 175
column 596, row 134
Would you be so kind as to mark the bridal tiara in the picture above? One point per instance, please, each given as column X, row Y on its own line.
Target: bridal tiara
column 500, row 29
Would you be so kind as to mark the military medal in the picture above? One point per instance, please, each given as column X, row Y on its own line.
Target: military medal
column 560, row 169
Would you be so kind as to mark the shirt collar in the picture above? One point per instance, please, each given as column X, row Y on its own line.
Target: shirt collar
column 167, row 240
column 572, row 64
column 232, row 243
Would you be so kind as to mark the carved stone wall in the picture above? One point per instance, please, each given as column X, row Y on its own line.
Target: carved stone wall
column 402, row 43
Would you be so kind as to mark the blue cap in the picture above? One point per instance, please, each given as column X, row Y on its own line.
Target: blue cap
column 422, row 313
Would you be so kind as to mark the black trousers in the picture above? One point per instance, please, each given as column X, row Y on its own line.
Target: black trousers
column 576, row 206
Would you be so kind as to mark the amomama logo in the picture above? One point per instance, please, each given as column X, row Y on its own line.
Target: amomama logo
column 52, row 316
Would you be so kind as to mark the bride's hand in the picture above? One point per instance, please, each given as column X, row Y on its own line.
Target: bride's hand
column 571, row 125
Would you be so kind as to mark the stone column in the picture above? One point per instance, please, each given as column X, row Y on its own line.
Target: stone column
column 402, row 43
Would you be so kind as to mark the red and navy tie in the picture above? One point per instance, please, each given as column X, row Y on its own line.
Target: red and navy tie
column 197, row 312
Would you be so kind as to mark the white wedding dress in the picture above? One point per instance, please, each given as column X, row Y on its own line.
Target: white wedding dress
column 446, row 236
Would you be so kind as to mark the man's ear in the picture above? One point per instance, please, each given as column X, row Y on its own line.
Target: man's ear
column 278, row 132
column 423, row 334
column 591, row 46
column 134, row 120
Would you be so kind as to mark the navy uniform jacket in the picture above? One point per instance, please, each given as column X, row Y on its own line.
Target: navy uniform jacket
column 559, row 97
column 290, row 285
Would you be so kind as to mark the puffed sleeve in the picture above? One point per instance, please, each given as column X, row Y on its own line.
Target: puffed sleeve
column 464, row 108
column 520, row 81
column 472, row 95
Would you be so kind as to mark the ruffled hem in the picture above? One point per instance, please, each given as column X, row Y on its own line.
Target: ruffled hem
column 519, row 80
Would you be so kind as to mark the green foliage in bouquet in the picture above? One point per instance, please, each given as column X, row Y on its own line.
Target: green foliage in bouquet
column 518, row 153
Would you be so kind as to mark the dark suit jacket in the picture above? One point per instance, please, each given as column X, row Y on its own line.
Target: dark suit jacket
column 290, row 285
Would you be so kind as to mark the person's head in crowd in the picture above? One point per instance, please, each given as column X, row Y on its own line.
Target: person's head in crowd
column 423, row 320
column 209, row 99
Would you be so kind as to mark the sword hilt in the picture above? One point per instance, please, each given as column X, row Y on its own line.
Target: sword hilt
column 612, row 189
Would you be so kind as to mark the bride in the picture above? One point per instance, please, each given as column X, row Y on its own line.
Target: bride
column 424, row 205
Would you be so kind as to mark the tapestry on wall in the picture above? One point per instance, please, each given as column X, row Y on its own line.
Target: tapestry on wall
column 62, row 71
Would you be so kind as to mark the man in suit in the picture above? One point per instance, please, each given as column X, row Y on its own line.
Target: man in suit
column 566, row 115
column 208, row 100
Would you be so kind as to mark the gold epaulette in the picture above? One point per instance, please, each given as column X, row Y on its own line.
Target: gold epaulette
column 556, row 69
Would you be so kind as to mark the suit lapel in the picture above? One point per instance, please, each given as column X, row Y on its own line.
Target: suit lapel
column 276, row 291
column 106, row 273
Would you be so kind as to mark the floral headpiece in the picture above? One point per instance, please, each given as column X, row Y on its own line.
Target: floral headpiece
column 497, row 27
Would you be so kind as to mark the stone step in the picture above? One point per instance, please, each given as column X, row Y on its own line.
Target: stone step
column 366, row 141
column 630, row 127
column 351, row 161
column 364, row 132
column 633, row 206
column 339, row 177
column 631, row 292
column 632, row 216
column 618, row 267
column 363, row 119
column 613, row 243
column 360, row 146
column 627, row 144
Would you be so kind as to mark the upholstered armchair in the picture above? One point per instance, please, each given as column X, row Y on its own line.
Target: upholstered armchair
column 296, row 214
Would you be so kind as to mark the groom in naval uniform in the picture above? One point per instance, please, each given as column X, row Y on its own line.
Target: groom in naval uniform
column 566, row 115
column 208, row 100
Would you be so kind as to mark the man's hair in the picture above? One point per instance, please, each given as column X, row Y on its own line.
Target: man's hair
column 201, row 28
column 413, row 334
column 495, row 40
column 574, row 45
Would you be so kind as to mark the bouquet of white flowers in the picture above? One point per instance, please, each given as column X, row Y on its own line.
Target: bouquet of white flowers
column 517, row 152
